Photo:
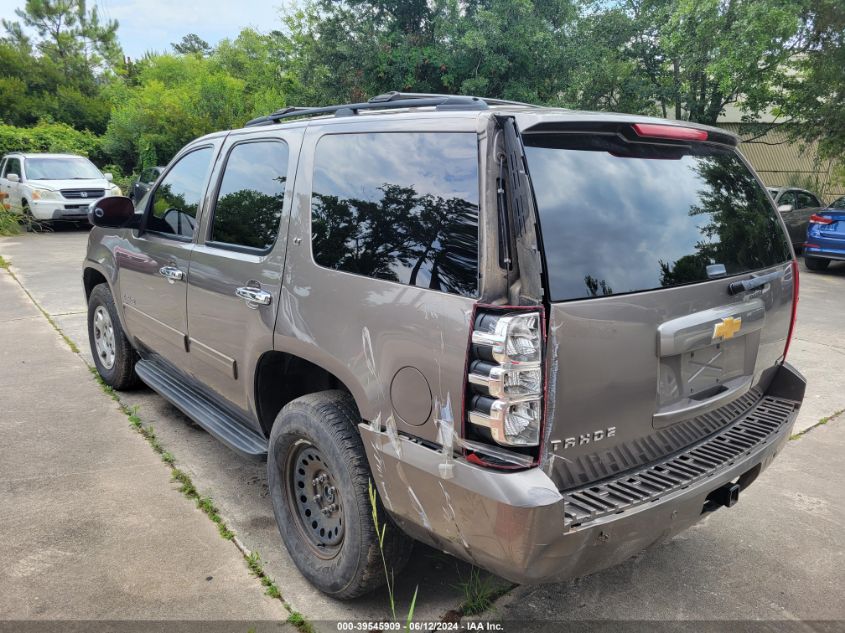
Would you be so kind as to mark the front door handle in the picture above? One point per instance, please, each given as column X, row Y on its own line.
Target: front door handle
column 171, row 273
column 254, row 296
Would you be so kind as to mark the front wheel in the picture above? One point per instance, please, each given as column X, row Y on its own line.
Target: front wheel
column 319, row 480
column 816, row 263
column 113, row 354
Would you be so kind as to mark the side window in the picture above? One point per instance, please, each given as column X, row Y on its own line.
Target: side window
column 13, row 166
column 251, row 195
column 177, row 198
column 3, row 168
column 399, row 206
column 788, row 198
column 806, row 200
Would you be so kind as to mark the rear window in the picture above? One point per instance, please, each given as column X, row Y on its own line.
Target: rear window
column 620, row 217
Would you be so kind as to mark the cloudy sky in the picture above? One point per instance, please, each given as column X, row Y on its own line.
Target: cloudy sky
column 154, row 24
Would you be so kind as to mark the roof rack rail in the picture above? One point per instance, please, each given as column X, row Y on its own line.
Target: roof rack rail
column 387, row 101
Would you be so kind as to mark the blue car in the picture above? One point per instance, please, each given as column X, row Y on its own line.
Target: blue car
column 826, row 236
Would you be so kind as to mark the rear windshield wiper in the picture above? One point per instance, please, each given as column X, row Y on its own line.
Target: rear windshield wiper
column 735, row 287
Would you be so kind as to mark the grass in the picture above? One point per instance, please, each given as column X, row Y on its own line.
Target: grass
column 9, row 223
column 821, row 422
column 299, row 622
column 253, row 561
column 381, row 530
column 479, row 593
column 4, row 264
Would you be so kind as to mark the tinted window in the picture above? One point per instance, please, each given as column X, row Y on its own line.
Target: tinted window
column 177, row 198
column 252, row 192
column 399, row 206
column 788, row 198
column 806, row 200
column 13, row 166
column 622, row 217
column 839, row 203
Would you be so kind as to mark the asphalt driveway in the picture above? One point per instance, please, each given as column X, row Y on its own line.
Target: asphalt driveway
column 779, row 554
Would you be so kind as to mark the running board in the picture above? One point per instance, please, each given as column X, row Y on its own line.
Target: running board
column 202, row 410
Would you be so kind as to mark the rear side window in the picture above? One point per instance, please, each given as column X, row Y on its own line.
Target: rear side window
column 13, row 166
column 399, row 206
column 177, row 199
column 620, row 217
column 806, row 200
column 251, row 195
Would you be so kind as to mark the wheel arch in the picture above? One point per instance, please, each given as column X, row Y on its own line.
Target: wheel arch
column 281, row 377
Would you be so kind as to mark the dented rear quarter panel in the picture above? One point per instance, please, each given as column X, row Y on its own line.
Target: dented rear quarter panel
column 365, row 330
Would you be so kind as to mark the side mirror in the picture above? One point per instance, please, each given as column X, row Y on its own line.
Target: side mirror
column 785, row 208
column 13, row 178
column 108, row 176
column 113, row 212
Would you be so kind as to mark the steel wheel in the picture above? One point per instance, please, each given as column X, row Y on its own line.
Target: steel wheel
column 104, row 336
column 314, row 499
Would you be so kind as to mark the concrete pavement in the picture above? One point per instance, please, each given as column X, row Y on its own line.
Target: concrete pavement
column 92, row 527
column 788, row 524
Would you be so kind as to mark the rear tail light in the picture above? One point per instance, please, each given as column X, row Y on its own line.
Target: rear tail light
column 506, row 378
column 794, row 307
column 820, row 219
column 673, row 132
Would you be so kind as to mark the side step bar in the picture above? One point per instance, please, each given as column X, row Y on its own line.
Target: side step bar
column 202, row 410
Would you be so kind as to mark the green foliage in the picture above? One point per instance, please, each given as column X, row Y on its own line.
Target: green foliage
column 176, row 99
column 60, row 63
column 49, row 137
column 9, row 225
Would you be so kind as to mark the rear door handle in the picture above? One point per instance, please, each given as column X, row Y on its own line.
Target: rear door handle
column 254, row 296
column 171, row 273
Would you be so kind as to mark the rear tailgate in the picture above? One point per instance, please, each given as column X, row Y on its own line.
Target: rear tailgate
column 649, row 350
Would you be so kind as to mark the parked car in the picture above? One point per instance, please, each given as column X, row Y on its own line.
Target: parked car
column 826, row 236
column 541, row 375
column 44, row 188
column 144, row 182
column 795, row 207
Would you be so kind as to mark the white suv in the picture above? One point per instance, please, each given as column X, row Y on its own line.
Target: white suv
column 47, row 187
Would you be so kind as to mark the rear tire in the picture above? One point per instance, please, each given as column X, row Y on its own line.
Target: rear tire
column 113, row 354
column 318, row 476
column 816, row 263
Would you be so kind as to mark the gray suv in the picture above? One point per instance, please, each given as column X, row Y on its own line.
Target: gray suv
column 548, row 338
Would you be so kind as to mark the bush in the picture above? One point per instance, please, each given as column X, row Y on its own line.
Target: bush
column 9, row 224
column 50, row 137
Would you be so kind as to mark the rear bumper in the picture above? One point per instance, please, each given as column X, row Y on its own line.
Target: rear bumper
column 826, row 250
column 519, row 526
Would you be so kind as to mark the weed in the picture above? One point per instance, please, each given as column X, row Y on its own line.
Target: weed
column 300, row 623
column 381, row 530
column 4, row 264
column 821, row 422
column 9, row 223
column 479, row 593
column 253, row 562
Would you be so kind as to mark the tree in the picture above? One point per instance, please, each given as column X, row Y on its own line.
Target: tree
column 192, row 44
column 70, row 34
column 813, row 97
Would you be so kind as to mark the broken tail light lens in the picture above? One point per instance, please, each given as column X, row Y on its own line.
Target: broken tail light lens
column 506, row 378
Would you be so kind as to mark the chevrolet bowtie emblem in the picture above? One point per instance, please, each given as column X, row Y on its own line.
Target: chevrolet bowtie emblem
column 727, row 328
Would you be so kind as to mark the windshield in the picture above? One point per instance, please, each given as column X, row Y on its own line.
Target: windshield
column 620, row 217
column 61, row 169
